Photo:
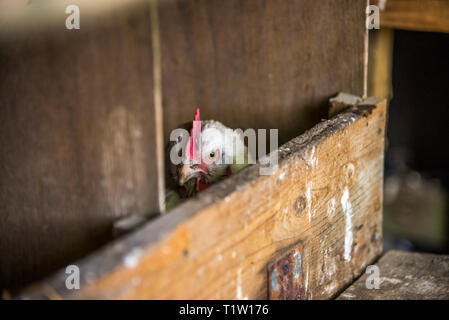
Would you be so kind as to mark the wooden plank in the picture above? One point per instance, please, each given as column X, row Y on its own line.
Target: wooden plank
column 325, row 193
column 77, row 140
column 21, row 18
column 405, row 276
column 380, row 63
column 260, row 64
column 418, row 15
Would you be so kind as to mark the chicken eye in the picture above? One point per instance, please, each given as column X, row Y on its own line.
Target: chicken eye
column 213, row 157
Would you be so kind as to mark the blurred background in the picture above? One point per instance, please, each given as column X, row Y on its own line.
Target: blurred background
column 411, row 69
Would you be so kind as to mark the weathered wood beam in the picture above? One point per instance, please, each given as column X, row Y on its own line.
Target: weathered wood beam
column 418, row 15
column 325, row 193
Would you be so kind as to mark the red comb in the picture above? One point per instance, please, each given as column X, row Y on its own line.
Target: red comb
column 194, row 134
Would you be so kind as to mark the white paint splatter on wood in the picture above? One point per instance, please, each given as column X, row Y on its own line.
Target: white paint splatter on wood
column 239, row 286
column 309, row 200
column 282, row 175
column 347, row 209
column 132, row 259
column 331, row 207
column 306, row 279
column 312, row 162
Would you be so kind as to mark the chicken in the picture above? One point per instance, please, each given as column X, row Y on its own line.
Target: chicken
column 211, row 153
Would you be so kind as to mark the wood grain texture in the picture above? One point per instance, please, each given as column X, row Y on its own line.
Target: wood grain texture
column 325, row 193
column 77, row 140
column 259, row 64
column 405, row 276
column 418, row 15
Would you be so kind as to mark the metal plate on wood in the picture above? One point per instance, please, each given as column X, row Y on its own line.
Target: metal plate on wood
column 285, row 280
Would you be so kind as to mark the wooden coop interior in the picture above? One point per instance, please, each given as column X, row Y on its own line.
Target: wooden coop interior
column 85, row 116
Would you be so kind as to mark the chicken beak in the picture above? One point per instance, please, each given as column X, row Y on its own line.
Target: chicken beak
column 186, row 172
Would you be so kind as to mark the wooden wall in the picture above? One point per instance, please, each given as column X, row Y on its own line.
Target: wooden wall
column 78, row 134
column 260, row 64
column 77, row 140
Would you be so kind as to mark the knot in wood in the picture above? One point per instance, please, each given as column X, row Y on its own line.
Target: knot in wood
column 299, row 205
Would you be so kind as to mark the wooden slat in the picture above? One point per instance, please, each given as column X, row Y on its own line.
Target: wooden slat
column 380, row 63
column 325, row 193
column 405, row 276
column 260, row 64
column 77, row 143
column 21, row 18
column 418, row 15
